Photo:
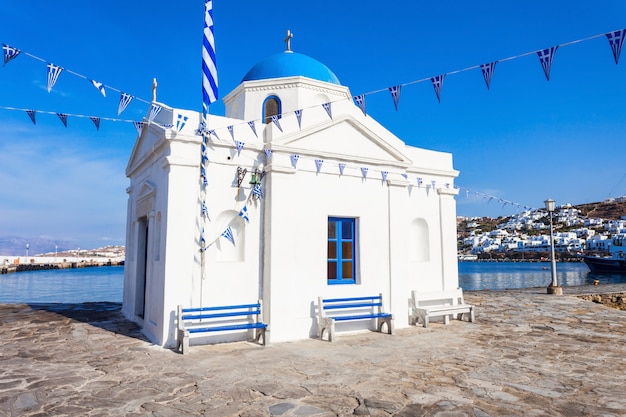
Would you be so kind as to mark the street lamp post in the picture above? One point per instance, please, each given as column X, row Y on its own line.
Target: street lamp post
column 553, row 288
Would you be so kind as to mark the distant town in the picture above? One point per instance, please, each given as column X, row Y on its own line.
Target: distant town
column 588, row 228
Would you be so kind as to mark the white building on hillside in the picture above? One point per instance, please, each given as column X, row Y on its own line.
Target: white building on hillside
column 348, row 209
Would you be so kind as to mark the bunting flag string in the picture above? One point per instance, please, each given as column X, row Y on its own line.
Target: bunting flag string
column 616, row 40
column 384, row 174
column 341, row 168
column 231, row 130
column 31, row 113
column 11, row 53
column 318, row 164
column 545, row 57
column 268, row 154
column 228, row 234
column 294, row 160
column 364, row 172
column 276, row 122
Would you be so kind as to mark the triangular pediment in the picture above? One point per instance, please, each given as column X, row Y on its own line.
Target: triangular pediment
column 145, row 146
column 349, row 139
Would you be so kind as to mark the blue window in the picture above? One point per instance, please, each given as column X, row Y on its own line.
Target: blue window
column 341, row 251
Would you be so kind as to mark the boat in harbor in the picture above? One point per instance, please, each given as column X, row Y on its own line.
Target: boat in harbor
column 615, row 263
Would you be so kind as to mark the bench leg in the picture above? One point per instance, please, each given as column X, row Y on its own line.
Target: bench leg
column 383, row 321
column 471, row 314
column 425, row 320
column 327, row 324
column 183, row 341
column 261, row 334
column 446, row 319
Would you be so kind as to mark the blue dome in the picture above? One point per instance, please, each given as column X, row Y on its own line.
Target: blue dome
column 291, row 64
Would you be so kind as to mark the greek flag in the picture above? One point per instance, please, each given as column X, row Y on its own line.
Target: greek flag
column 154, row 111
column 253, row 127
column 240, row 146
column 437, row 85
column 125, row 100
column 10, row 53
column 228, row 234
column 294, row 160
column 209, row 68
column 180, row 122
column 616, row 40
column 328, row 110
column 433, row 183
column 96, row 121
column 384, row 175
column 395, row 94
column 31, row 114
column 318, row 164
column 139, row 127
column 53, row 74
column 360, row 101
column 212, row 133
column 488, row 70
column 244, row 214
column 257, row 191
column 341, row 168
column 405, row 176
column 63, row 118
column 419, row 182
column 268, row 154
column 276, row 122
column 100, row 87
column 545, row 57
column 364, row 172
column 231, row 130
column 299, row 117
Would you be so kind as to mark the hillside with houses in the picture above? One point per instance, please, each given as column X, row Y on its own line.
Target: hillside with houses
column 588, row 228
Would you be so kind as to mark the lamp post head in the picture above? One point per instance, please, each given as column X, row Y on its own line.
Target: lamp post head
column 550, row 203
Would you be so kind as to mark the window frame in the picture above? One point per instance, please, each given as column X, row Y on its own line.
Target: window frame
column 339, row 258
column 268, row 118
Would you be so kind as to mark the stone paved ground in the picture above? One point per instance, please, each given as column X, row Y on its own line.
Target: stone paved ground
column 528, row 354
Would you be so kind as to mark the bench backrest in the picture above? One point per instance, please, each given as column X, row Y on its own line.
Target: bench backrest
column 197, row 315
column 347, row 306
column 425, row 299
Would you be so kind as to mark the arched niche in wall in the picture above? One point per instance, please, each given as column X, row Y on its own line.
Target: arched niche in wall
column 272, row 106
column 419, row 243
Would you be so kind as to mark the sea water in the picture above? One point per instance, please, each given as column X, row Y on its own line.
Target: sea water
column 77, row 285
column 509, row 275
column 106, row 283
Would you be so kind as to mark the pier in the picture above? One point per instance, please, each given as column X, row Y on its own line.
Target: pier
column 10, row 264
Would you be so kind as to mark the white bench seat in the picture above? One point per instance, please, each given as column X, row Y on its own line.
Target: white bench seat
column 439, row 304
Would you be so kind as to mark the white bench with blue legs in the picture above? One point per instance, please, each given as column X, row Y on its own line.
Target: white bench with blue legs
column 444, row 304
column 202, row 320
column 332, row 310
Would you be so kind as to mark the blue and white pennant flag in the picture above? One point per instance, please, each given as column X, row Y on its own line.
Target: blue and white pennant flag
column 257, row 191
column 228, row 234
column 328, row 110
column 276, row 122
column 360, row 101
column 384, row 174
column 100, row 87
column 139, row 127
column 96, row 121
column 299, row 118
column 253, row 127
column 268, row 154
column 438, row 85
column 240, row 146
column 488, row 70
column 63, row 118
column 125, row 100
column 294, row 160
column 231, row 130
column 10, row 53
column 341, row 168
column 180, row 122
column 616, row 40
column 244, row 214
column 395, row 94
column 318, row 164
column 364, row 172
column 545, row 57
column 53, row 74
column 31, row 114
column 155, row 109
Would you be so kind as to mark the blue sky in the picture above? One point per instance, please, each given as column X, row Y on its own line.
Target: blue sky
column 523, row 141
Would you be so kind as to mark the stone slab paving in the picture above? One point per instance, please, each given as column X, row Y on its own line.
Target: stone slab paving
column 528, row 354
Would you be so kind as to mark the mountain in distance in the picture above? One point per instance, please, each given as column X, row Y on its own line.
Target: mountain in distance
column 16, row 246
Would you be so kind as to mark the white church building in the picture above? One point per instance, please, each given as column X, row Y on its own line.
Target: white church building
column 347, row 208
